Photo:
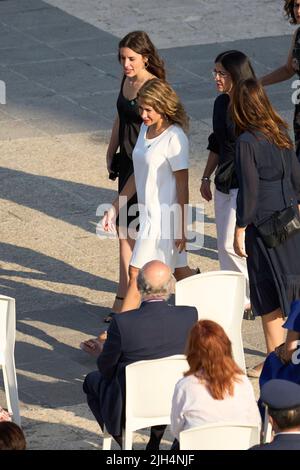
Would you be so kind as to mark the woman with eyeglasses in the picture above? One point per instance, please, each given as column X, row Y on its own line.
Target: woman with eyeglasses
column 292, row 65
column 230, row 67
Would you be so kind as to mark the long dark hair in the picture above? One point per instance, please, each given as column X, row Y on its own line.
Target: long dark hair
column 237, row 64
column 252, row 111
column 139, row 42
column 289, row 10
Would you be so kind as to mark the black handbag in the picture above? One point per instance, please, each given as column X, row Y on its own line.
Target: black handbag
column 281, row 225
column 115, row 166
column 226, row 177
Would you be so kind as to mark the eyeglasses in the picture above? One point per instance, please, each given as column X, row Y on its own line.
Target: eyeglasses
column 215, row 73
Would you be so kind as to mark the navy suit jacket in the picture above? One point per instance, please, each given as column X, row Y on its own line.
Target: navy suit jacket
column 288, row 441
column 153, row 331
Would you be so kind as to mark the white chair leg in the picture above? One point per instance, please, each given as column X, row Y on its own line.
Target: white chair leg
column 106, row 444
column 11, row 389
column 127, row 440
column 267, row 435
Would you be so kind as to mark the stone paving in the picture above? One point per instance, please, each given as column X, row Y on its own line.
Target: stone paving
column 58, row 60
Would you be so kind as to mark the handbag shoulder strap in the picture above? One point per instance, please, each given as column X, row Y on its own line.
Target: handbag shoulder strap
column 283, row 176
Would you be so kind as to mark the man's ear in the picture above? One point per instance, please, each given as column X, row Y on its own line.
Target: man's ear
column 273, row 424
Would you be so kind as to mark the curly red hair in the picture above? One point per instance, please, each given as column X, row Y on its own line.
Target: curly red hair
column 209, row 356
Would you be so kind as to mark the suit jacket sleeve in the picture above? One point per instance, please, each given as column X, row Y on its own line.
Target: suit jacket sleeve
column 109, row 358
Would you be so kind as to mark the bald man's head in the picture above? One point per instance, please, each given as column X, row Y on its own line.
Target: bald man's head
column 155, row 280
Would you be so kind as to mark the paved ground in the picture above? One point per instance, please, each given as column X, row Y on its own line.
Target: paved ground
column 58, row 60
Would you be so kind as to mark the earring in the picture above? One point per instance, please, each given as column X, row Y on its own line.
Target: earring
column 146, row 65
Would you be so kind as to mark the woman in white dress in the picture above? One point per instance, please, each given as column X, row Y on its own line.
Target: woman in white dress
column 160, row 160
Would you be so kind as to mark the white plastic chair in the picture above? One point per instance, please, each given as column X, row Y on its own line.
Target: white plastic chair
column 267, row 429
column 7, row 359
column 218, row 296
column 219, row 436
column 149, row 391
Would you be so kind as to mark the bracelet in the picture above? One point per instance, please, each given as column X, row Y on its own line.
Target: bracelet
column 205, row 178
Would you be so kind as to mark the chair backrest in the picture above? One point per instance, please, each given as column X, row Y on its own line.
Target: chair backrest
column 150, row 386
column 7, row 326
column 218, row 296
column 219, row 436
column 267, row 428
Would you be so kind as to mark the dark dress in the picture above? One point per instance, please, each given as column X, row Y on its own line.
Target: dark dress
column 296, row 67
column 222, row 142
column 130, row 122
column 274, row 273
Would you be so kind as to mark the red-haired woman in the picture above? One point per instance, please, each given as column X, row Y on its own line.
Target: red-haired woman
column 214, row 389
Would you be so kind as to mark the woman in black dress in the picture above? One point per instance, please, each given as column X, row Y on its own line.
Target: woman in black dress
column 141, row 62
column 292, row 66
column 269, row 180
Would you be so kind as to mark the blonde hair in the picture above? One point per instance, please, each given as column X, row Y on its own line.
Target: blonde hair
column 252, row 111
column 160, row 96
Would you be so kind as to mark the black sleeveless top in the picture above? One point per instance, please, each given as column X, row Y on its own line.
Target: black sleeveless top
column 130, row 122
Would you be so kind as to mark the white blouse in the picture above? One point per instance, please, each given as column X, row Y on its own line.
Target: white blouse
column 193, row 405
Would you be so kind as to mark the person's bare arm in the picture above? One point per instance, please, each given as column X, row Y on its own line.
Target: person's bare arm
column 182, row 187
column 113, row 143
column 211, row 165
column 239, row 241
column 285, row 72
column 108, row 221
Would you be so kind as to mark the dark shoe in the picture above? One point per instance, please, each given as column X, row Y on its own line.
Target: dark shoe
column 248, row 314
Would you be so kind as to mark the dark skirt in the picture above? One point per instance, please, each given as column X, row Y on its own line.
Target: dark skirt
column 129, row 211
column 274, row 273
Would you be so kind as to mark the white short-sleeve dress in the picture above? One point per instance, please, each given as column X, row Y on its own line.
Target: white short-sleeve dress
column 155, row 161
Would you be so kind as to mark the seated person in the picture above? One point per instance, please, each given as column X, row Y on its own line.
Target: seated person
column 284, row 362
column 5, row 415
column 283, row 400
column 11, row 436
column 154, row 330
column 214, row 388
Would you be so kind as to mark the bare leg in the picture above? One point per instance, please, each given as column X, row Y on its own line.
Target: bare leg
column 274, row 333
column 125, row 251
column 133, row 298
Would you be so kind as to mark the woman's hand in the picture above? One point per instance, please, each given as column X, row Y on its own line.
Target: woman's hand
column 286, row 350
column 205, row 190
column 282, row 353
column 180, row 244
column 108, row 163
column 239, row 242
column 109, row 220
